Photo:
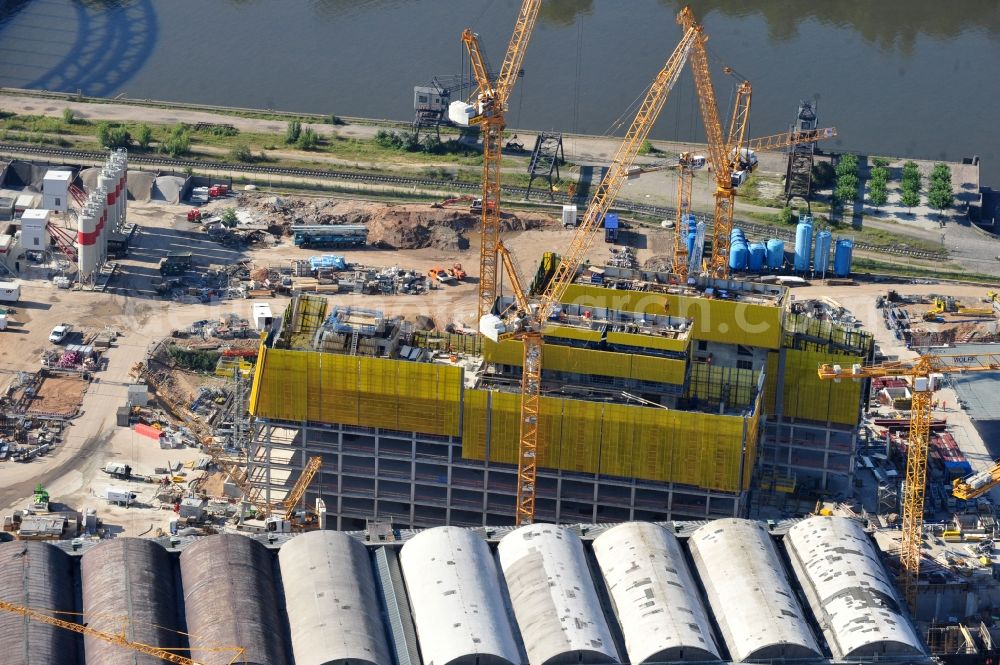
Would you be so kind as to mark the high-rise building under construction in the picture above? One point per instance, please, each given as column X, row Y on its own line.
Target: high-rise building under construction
column 660, row 401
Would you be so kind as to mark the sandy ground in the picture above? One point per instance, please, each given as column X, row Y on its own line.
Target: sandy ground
column 72, row 472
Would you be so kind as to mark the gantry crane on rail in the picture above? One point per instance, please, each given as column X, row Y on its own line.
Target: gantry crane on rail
column 921, row 371
column 488, row 110
column 279, row 516
column 118, row 638
column 529, row 315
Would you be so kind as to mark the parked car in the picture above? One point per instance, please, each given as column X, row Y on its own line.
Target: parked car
column 59, row 333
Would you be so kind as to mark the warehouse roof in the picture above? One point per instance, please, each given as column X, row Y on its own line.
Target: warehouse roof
column 528, row 596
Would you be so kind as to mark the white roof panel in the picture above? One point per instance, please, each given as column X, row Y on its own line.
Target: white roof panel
column 456, row 597
column 332, row 601
column 850, row 592
column 655, row 597
column 553, row 595
column 754, row 605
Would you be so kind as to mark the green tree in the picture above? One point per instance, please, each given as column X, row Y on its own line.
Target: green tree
column 241, row 153
column 68, row 116
column 293, row 131
column 940, row 197
column 822, row 175
column 941, row 173
column 910, row 198
column 308, row 139
column 177, row 143
column 786, row 216
column 879, row 174
column 144, row 136
column 911, row 176
column 647, row 148
column 113, row 136
column 880, row 162
column 432, row 145
column 877, row 195
column 228, row 218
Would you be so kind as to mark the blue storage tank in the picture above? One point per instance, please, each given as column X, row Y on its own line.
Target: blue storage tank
column 803, row 244
column 689, row 225
column 842, row 257
column 821, row 256
column 775, row 254
column 739, row 251
column 758, row 257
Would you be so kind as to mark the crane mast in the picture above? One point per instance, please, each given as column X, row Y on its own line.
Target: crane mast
column 723, row 151
column 919, row 438
column 534, row 314
column 491, row 106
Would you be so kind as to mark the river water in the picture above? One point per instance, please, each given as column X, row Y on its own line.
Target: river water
column 901, row 77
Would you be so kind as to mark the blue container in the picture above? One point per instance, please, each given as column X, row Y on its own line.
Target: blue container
column 758, row 257
column 739, row 251
column 803, row 244
column 821, row 257
column 842, row 257
column 690, row 226
column 775, row 254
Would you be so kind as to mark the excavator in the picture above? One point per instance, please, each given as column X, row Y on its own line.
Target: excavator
column 948, row 305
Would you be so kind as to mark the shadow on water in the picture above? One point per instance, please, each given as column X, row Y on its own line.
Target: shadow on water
column 887, row 25
column 113, row 40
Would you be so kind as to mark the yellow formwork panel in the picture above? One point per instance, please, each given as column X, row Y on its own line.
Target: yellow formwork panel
column 725, row 321
column 700, row 449
column 805, row 396
column 505, row 432
column 651, row 368
column 571, row 332
column 475, row 423
column 558, row 358
column 506, row 352
column 752, row 441
column 354, row 390
column 649, row 341
column 707, row 382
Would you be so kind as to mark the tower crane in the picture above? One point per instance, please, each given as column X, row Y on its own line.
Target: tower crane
column 488, row 112
column 726, row 154
column 921, row 371
column 526, row 322
column 116, row 638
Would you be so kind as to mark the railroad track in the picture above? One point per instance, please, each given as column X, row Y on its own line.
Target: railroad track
column 660, row 212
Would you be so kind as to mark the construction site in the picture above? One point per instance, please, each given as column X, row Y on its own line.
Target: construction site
column 282, row 428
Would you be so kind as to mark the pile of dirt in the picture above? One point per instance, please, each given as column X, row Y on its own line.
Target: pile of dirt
column 408, row 226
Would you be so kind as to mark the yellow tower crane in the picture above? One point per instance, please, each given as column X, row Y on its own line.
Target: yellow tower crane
column 117, row 638
column 726, row 154
column 488, row 112
column 921, row 371
column 526, row 322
